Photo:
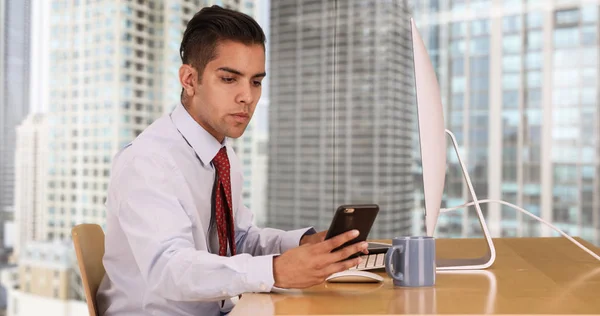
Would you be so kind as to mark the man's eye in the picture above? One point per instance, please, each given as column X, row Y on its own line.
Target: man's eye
column 257, row 83
column 228, row 80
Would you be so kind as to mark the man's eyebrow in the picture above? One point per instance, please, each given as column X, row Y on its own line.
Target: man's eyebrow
column 239, row 73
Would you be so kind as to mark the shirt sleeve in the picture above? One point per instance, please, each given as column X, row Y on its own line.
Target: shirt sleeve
column 264, row 241
column 159, row 232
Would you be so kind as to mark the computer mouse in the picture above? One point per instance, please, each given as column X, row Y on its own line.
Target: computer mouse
column 354, row 276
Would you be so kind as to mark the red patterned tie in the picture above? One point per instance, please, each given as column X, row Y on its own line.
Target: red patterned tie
column 223, row 206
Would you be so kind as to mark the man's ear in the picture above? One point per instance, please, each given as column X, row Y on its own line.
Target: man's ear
column 188, row 77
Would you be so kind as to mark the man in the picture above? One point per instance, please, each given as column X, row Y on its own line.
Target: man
column 179, row 241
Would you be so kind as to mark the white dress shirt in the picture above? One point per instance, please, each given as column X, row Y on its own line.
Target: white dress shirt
column 161, row 243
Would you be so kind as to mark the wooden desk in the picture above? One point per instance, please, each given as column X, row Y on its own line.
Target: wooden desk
column 530, row 276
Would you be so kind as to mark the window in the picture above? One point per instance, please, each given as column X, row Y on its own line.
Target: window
column 566, row 17
column 534, row 40
column 565, row 58
column 511, row 63
column 510, row 99
column 511, row 24
column 565, row 97
column 566, row 78
column 511, row 44
column 480, row 45
column 566, row 38
column 534, row 79
column 480, row 27
column 511, row 81
column 533, row 98
column 589, row 56
column 534, row 60
column 589, row 13
column 458, row 67
column 589, row 35
column 458, row 29
column 588, row 96
column 534, row 20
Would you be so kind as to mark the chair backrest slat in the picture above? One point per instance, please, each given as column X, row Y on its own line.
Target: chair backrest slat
column 88, row 240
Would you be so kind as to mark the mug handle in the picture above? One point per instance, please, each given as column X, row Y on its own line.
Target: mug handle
column 389, row 258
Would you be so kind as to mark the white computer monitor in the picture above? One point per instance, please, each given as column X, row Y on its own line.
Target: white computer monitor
column 432, row 137
column 432, row 140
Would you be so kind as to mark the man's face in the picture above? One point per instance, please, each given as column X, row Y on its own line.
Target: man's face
column 223, row 102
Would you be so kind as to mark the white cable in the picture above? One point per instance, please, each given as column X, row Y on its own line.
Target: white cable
column 530, row 214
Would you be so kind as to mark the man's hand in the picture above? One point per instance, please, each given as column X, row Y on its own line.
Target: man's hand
column 317, row 238
column 311, row 264
column 313, row 239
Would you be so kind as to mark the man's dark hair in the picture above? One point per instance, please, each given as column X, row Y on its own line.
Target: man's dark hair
column 211, row 25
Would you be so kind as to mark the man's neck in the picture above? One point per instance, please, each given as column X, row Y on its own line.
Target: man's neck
column 205, row 126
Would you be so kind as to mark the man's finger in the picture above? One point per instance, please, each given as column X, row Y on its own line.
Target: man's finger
column 347, row 251
column 342, row 266
column 330, row 244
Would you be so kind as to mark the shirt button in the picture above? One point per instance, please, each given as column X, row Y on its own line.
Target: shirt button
column 263, row 287
column 224, row 292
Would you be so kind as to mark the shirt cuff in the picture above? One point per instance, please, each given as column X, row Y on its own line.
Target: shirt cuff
column 291, row 239
column 259, row 276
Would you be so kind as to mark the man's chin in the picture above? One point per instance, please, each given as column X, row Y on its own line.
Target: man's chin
column 236, row 134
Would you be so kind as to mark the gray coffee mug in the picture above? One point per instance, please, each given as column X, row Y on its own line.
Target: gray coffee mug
column 411, row 261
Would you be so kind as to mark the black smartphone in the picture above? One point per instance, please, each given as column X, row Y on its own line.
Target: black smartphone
column 348, row 217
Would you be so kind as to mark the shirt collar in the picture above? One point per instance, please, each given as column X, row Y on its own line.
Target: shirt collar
column 204, row 144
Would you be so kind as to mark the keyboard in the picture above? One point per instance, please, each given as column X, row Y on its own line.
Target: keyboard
column 371, row 262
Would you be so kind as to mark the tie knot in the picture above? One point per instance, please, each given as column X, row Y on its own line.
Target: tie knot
column 221, row 161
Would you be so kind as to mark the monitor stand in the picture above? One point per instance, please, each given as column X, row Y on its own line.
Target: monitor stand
column 489, row 257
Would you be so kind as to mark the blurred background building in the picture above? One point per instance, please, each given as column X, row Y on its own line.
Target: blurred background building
column 47, row 282
column 31, row 179
column 14, row 100
column 341, row 119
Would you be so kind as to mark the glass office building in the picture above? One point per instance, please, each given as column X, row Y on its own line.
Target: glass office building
column 342, row 109
column 14, row 97
column 519, row 81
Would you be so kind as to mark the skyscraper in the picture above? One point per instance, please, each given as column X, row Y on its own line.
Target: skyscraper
column 14, row 93
column 342, row 109
column 30, row 181
column 519, row 81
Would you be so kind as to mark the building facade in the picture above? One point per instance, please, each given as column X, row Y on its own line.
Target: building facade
column 342, row 112
column 47, row 282
column 14, row 94
column 30, row 181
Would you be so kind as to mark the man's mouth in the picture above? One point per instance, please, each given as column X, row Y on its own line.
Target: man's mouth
column 241, row 117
